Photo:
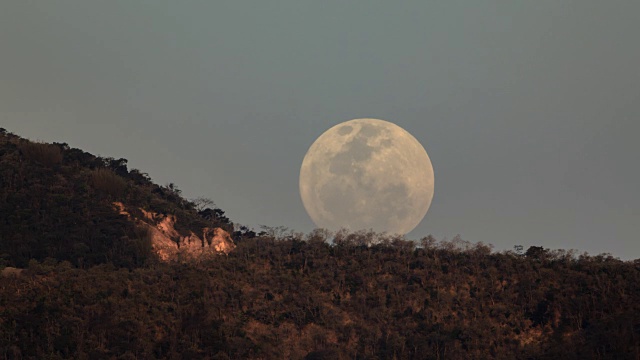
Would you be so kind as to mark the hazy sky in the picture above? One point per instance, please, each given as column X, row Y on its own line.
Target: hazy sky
column 529, row 110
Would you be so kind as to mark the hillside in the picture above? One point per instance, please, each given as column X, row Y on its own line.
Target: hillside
column 64, row 203
column 303, row 298
column 84, row 281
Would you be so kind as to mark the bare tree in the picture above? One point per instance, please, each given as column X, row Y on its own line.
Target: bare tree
column 202, row 203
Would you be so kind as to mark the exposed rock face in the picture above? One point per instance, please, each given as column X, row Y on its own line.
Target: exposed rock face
column 170, row 245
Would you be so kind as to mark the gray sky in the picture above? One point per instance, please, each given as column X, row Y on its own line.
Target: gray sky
column 529, row 110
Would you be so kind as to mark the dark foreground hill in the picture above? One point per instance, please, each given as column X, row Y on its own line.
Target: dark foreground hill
column 294, row 299
column 91, row 289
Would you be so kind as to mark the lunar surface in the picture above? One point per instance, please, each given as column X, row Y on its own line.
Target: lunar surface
column 367, row 174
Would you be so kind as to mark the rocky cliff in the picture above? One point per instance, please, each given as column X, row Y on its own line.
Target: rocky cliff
column 169, row 244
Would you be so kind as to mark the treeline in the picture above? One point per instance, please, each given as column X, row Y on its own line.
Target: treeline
column 363, row 297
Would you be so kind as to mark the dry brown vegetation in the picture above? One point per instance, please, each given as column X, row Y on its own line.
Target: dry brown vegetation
column 43, row 153
column 298, row 298
column 108, row 182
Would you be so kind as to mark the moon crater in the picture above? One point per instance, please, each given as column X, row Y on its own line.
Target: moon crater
column 367, row 174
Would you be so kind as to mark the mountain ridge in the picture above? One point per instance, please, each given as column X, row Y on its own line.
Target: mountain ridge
column 58, row 201
column 82, row 277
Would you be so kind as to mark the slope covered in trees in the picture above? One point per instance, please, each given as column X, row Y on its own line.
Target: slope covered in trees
column 57, row 201
column 90, row 288
column 294, row 298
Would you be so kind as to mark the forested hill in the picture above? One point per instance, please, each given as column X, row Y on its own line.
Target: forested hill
column 57, row 202
column 82, row 283
column 290, row 298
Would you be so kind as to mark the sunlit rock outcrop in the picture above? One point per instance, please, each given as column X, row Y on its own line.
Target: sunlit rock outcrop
column 169, row 244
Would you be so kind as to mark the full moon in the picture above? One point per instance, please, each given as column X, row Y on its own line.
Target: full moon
column 367, row 174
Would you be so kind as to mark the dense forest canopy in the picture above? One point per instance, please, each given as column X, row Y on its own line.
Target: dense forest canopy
column 81, row 281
